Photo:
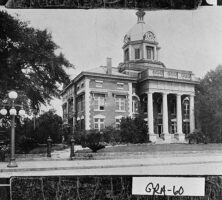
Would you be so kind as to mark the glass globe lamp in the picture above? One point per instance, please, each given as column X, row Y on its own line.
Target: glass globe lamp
column 22, row 112
column 3, row 111
column 13, row 95
column 12, row 111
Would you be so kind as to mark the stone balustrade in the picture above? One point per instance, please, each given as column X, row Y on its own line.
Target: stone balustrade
column 168, row 74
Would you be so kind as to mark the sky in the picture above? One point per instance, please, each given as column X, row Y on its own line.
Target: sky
column 189, row 39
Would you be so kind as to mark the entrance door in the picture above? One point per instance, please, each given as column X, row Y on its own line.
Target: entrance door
column 159, row 129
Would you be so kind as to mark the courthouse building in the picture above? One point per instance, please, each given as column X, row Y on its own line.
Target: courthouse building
column 141, row 84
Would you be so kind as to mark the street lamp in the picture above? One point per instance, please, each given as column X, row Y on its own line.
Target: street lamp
column 12, row 95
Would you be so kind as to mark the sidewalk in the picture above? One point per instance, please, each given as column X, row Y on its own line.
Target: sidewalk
column 185, row 163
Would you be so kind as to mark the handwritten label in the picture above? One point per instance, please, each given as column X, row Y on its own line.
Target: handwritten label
column 168, row 186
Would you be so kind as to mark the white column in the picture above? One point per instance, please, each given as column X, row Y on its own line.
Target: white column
column 130, row 98
column 152, row 136
column 155, row 53
column 165, row 134
column 179, row 115
column 179, row 135
column 192, row 118
column 131, row 56
column 165, row 114
column 87, row 105
column 144, row 51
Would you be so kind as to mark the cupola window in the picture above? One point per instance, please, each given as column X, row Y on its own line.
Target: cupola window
column 137, row 53
column 150, row 52
column 126, row 55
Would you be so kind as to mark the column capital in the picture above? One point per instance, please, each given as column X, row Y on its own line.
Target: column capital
column 149, row 92
column 165, row 93
column 179, row 94
column 192, row 95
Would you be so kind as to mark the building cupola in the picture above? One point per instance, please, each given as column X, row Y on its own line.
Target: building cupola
column 140, row 43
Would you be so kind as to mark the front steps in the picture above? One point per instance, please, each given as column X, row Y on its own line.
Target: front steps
column 172, row 140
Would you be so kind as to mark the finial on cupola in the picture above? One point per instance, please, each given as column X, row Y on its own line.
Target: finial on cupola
column 140, row 14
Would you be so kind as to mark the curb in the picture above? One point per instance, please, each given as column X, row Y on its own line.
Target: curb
column 102, row 166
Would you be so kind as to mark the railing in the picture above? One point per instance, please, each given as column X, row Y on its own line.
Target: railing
column 168, row 74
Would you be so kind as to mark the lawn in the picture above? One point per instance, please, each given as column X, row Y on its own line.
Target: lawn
column 43, row 148
column 159, row 148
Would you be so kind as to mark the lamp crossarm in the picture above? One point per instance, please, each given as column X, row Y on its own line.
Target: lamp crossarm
column 16, row 105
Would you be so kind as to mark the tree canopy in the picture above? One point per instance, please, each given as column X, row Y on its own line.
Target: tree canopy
column 29, row 63
column 209, row 104
column 48, row 124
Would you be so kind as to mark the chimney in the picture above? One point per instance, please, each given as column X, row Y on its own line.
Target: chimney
column 109, row 65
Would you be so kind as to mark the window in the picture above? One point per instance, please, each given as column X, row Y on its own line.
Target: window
column 173, row 108
column 186, row 127
column 118, row 121
column 120, row 86
column 77, row 88
column 145, row 104
column 150, row 52
column 99, row 123
column 186, row 108
column 137, row 53
column 135, row 106
column 120, row 103
column 81, row 103
column 82, row 85
column 99, row 101
column 99, row 84
column 82, row 124
column 173, row 127
column 159, row 107
column 126, row 55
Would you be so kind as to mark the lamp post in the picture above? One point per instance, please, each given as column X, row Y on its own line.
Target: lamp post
column 12, row 95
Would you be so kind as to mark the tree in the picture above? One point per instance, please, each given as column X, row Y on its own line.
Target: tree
column 29, row 63
column 48, row 124
column 209, row 104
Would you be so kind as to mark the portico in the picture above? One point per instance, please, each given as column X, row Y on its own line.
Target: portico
column 177, row 133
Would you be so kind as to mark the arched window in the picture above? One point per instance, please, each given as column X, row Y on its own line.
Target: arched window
column 186, row 107
column 135, row 104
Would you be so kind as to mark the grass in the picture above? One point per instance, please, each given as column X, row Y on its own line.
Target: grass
column 159, row 148
column 43, row 148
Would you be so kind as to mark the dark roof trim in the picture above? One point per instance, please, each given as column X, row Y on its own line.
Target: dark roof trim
column 139, row 42
column 93, row 74
column 169, row 80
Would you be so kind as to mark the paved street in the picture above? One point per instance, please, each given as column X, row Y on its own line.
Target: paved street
column 195, row 163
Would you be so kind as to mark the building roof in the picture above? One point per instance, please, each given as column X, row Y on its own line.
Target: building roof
column 103, row 70
column 102, row 73
column 138, row 31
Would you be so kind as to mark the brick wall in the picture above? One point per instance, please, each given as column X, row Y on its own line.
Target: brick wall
column 109, row 88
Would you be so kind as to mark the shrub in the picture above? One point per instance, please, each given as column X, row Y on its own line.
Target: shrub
column 133, row 130
column 92, row 140
column 197, row 137
column 111, row 135
column 26, row 144
column 4, row 149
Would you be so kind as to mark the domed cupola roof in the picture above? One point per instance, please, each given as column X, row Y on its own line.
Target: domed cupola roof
column 140, row 31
